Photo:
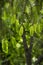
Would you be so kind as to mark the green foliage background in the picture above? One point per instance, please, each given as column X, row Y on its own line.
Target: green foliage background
column 27, row 14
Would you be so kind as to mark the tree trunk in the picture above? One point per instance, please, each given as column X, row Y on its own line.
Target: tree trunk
column 28, row 51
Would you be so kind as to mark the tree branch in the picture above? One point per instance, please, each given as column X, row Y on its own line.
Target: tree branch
column 40, row 59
